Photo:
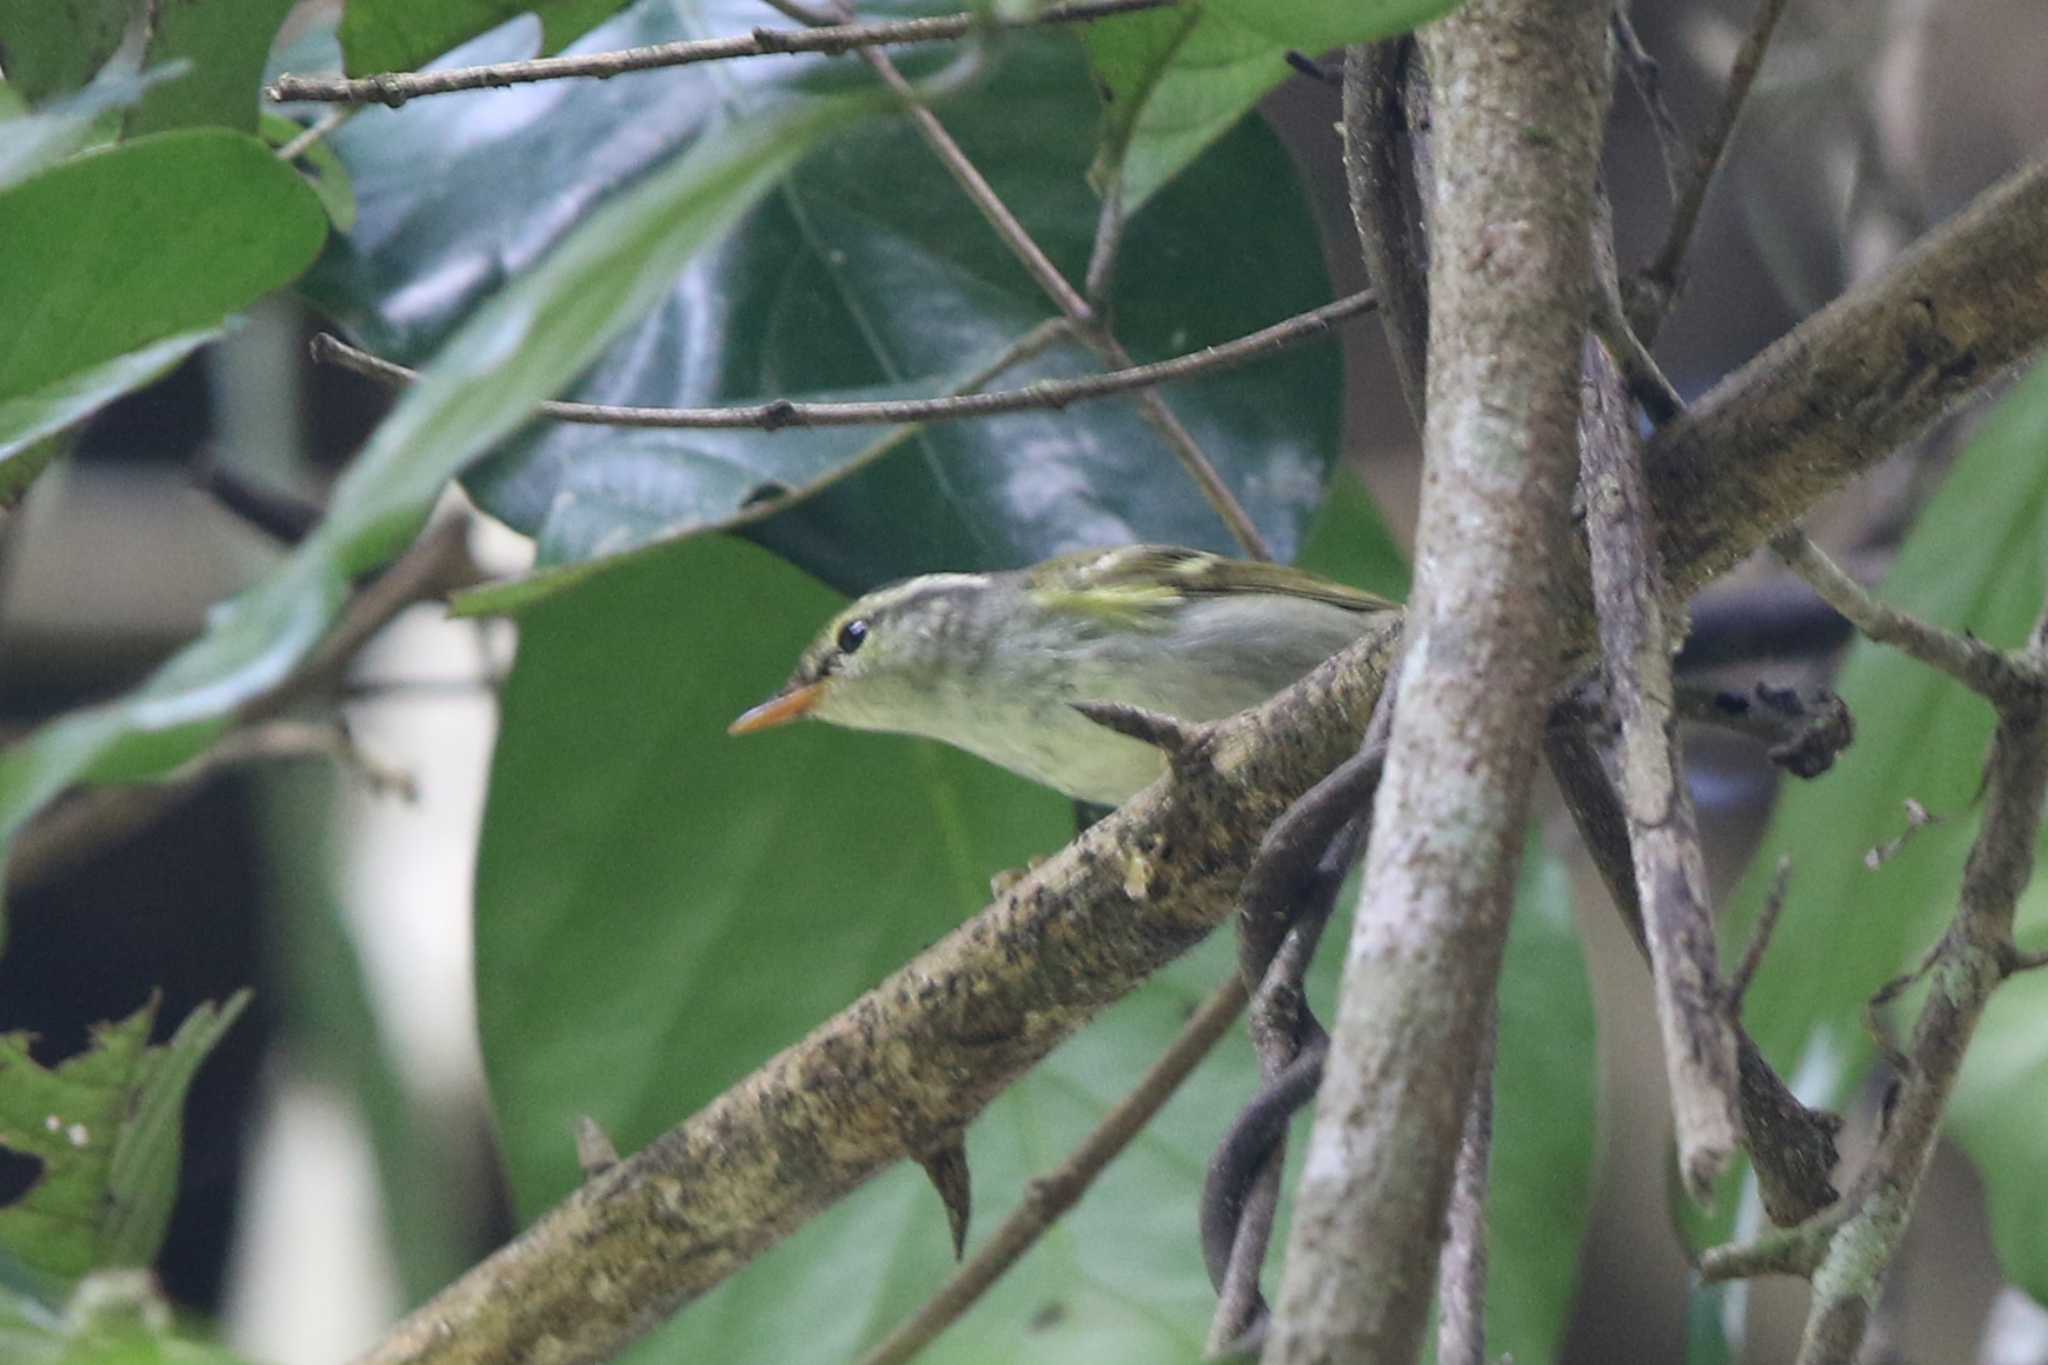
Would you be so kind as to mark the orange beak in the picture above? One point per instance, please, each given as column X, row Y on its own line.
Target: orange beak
column 781, row 709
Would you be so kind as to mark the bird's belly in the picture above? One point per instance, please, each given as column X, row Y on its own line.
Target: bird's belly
column 1064, row 750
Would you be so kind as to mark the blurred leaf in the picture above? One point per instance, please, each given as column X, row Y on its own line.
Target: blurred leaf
column 105, row 1126
column 333, row 1032
column 1316, row 26
column 1172, row 82
column 47, row 48
column 320, row 166
column 113, row 1319
column 521, row 346
column 29, row 422
column 866, row 272
column 225, row 42
column 62, row 126
column 660, row 907
column 1995, row 1112
column 1546, row 1118
column 399, row 35
column 1973, row 562
column 1351, row 544
column 111, row 252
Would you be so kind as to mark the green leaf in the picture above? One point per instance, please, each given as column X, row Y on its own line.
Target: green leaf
column 398, row 35
column 226, row 42
column 62, row 126
column 1316, row 26
column 1546, row 1108
column 1974, row 562
column 866, row 272
column 2004, row 1083
column 518, row 348
column 105, row 1124
column 52, row 49
column 322, row 168
column 166, row 235
column 660, row 907
column 1172, row 82
column 1351, row 544
column 115, row 1318
column 29, row 421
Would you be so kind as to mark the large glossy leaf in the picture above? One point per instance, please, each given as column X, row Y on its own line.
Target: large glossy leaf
column 867, row 271
column 1974, row 562
column 520, row 347
column 1172, row 82
column 164, row 235
column 223, row 44
column 660, row 907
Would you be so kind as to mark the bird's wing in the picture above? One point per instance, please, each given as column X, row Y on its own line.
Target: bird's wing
column 1138, row 579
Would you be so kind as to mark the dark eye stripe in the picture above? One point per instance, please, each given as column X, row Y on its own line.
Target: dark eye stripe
column 851, row 635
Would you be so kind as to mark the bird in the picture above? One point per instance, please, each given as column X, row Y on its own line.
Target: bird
column 994, row 663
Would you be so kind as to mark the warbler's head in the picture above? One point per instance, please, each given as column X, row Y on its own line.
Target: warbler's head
column 878, row 664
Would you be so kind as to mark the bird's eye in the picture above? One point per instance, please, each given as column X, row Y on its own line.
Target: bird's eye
column 851, row 635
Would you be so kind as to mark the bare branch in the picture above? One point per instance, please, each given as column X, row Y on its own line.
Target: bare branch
column 396, row 87
column 1759, row 938
column 1509, row 274
column 1178, row 740
column 314, row 133
column 1658, row 285
column 1968, row 660
column 1461, row 1271
column 1375, row 76
column 1792, row 1148
column 1670, row 869
column 779, row 413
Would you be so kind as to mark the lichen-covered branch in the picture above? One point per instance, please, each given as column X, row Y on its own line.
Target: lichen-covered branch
column 879, row 1081
column 1518, row 93
column 1670, row 868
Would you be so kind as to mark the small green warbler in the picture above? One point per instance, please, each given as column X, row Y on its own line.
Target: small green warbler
column 992, row 662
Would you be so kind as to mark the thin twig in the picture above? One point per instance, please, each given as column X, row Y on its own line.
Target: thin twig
column 89, row 820
column 1052, row 1194
column 1647, row 76
column 1179, row 740
column 779, row 413
column 1759, row 938
column 1461, row 1267
column 1109, row 238
column 396, row 87
column 1657, row 286
column 1646, row 380
column 314, row 132
column 1283, row 906
column 1087, row 326
column 1970, row 661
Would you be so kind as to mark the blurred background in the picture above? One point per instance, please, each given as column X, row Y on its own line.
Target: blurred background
column 353, row 1088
